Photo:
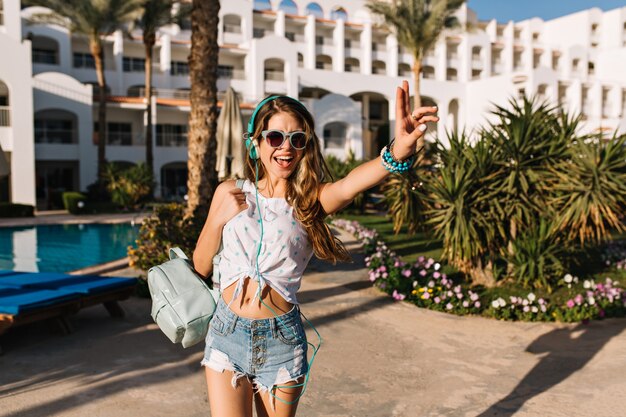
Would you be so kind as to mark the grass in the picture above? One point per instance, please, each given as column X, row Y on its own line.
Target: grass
column 409, row 247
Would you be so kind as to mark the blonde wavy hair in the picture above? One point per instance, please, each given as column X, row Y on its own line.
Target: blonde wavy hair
column 303, row 184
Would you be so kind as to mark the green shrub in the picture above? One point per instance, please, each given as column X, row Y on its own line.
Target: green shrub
column 16, row 210
column 166, row 228
column 71, row 200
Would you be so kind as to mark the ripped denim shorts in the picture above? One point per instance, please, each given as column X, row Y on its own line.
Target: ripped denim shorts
column 268, row 352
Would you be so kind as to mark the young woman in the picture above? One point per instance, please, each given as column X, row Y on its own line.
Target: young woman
column 256, row 346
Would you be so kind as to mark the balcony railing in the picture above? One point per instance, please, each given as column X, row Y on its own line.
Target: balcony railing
column 232, row 28
column 5, row 116
column 171, row 139
column 236, row 74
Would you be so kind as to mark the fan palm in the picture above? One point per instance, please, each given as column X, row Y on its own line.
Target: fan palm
column 94, row 19
column 202, row 145
column 156, row 14
column 417, row 25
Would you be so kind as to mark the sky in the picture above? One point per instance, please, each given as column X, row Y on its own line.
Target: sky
column 505, row 10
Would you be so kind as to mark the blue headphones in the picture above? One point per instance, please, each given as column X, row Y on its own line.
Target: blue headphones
column 252, row 144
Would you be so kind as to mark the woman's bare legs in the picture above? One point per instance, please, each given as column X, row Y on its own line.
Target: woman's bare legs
column 226, row 401
column 268, row 406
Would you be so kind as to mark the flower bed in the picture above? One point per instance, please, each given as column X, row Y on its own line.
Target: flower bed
column 424, row 284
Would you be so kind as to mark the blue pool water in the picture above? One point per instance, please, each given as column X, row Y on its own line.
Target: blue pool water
column 63, row 248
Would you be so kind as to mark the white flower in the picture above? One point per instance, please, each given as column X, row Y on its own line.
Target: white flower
column 591, row 301
column 587, row 284
column 495, row 304
column 568, row 278
column 501, row 302
column 531, row 297
column 437, row 266
column 534, row 309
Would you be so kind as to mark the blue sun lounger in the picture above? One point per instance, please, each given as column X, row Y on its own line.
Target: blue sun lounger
column 27, row 297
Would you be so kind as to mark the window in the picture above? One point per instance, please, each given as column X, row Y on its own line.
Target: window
column 319, row 40
column 319, row 65
column 54, row 131
column 131, row 64
column 262, row 5
column 291, row 36
column 117, row 133
column 591, row 68
column 45, row 56
column 575, row 63
column 339, row 13
column 171, row 135
column 258, row 32
column 315, row 9
column 521, row 93
column 83, row 60
column 288, row 6
column 179, row 68
column 225, row 71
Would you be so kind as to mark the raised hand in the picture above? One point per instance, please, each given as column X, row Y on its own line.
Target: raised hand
column 410, row 125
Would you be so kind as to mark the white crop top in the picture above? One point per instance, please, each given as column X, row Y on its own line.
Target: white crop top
column 285, row 250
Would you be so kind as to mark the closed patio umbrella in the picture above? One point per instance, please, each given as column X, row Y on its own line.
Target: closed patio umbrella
column 230, row 146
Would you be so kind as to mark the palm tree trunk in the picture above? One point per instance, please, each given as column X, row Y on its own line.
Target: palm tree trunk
column 417, row 98
column 95, row 45
column 417, row 72
column 482, row 275
column 149, row 42
column 202, row 146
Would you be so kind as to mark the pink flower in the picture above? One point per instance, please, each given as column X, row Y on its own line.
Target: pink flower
column 570, row 303
column 406, row 273
column 437, row 300
column 477, row 304
column 436, row 274
column 449, row 306
column 423, row 272
column 397, row 296
column 578, row 299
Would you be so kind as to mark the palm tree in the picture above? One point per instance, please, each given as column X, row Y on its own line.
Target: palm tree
column 95, row 19
column 417, row 25
column 156, row 14
column 202, row 144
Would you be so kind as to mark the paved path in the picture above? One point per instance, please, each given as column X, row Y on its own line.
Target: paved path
column 379, row 358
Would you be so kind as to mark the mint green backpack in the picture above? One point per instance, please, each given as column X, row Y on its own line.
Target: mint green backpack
column 182, row 302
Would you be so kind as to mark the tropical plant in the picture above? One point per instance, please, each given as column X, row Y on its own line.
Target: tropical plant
column 340, row 169
column 128, row 186
column 155, row 14
column 417, row 24
column 166, row 228
column 95, row 19
column 203, row 116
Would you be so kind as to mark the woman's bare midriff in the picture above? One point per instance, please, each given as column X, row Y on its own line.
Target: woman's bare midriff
column 243, row 305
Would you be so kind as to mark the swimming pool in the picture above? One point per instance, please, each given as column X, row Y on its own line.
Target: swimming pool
column 63, row 248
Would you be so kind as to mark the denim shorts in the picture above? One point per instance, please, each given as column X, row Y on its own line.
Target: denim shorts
column 269, row 352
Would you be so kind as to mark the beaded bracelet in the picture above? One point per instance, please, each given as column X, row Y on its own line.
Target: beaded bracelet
column 392, row 164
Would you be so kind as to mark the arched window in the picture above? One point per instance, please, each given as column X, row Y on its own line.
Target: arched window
column 453, row 116
column 428, row 72
column 262, row 5
column 5, row 114
column 451, row 74
column 300, row 60
column 274, row 69
column 232, row 23
column 339, row 13
column 352, row 65
column 404, row 70
column 379, row 67
column 476, row 53
column 45, row 50
column 55, row 126
column 323, row 62
column 288, row 6
column 335, row 135
column 314, row 9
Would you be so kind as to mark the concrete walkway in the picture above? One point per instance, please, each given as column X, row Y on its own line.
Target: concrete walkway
column 379, row 358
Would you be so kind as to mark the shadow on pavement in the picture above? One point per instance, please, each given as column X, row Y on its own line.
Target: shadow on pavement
column 566, row 351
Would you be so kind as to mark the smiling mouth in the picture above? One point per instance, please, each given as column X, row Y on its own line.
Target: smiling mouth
column 284, row 161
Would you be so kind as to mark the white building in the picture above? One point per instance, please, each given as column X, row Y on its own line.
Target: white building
column 331, row 54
